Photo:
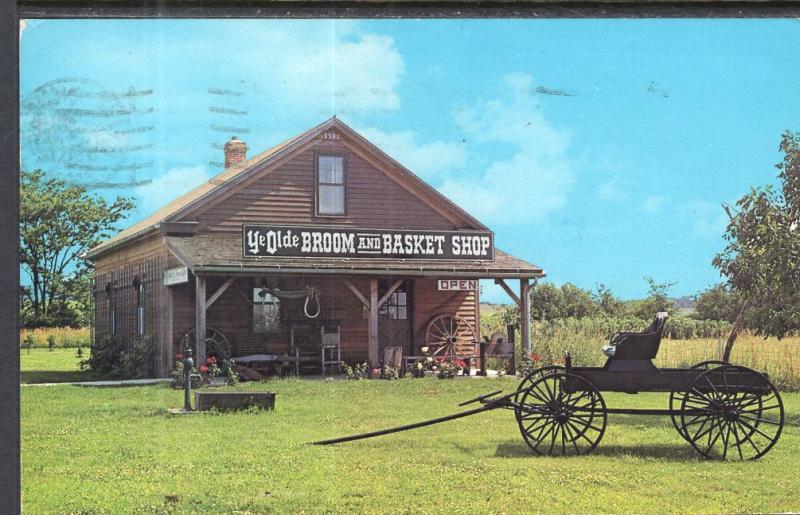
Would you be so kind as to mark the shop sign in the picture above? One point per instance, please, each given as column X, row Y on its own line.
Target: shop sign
column 457, row 284
column 283, row 241
column 177, row 275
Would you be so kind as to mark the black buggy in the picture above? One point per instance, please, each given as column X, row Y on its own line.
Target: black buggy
column 724, row 411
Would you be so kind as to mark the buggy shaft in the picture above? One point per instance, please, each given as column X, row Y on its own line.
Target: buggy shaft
column 496, row 403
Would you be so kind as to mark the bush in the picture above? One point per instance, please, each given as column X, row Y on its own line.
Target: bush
column 447, row 370
column 389, row 373
column 111, row 359
column 357, row 372
column 205, row 373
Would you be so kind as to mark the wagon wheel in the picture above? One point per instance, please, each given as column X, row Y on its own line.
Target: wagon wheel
column 450, row 335
column 217, row 343
column 533, row 375
column 675, row 397
column 554, row 419
column 732, row 412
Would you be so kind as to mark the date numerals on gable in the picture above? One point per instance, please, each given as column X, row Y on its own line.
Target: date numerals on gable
column 330, row 135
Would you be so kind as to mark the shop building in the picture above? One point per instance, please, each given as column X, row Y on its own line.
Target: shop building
column 323, row 237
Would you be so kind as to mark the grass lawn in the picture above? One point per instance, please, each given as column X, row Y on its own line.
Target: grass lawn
column 116, row 450
column 59, row 366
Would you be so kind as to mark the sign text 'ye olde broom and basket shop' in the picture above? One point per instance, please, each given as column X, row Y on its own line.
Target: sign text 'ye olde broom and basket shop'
column 276, row 241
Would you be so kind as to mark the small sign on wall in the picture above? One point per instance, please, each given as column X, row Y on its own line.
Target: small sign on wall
column 177, row 275
column 457, row 284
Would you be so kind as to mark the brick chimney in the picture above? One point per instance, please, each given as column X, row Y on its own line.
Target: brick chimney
column 235, row 152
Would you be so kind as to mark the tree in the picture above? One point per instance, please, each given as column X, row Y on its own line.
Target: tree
column 578, row 303
column 58, row 222
column 549, row 302
column 657, row 300
column 717, row 303
column 607, row 303
column 762, row 258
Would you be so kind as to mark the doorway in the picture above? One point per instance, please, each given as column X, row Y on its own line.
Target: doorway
column 394, row 317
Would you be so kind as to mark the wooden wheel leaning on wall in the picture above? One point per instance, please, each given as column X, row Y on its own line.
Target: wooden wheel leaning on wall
column 217, row 344
column 450, row 335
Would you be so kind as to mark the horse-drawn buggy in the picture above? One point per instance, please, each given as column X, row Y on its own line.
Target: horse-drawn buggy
column 724, row 411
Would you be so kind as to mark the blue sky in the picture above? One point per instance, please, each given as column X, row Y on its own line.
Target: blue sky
column 600, row 150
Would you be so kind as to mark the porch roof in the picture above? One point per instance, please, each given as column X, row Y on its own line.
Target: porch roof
column 222, row 254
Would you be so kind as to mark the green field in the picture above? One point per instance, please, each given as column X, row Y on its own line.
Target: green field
column 117, row 450
column 58, row 366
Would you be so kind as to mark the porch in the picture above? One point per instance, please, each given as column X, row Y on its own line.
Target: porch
column 272, row 306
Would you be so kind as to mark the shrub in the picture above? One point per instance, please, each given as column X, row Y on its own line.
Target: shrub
column 205, row 373
column 389, row 373
column 447, row 370
column 110, row 358
column 357, row 372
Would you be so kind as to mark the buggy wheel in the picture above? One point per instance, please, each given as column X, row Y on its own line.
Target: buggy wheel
column 676, row 397
column 533, row 375
column 732, row 413
column 561, row 414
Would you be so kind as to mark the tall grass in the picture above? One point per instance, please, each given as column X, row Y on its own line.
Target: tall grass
column 65, row 337
column 584, row 338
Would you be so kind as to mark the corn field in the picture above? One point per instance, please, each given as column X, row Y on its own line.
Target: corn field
column 63, row 337
column 686, row 342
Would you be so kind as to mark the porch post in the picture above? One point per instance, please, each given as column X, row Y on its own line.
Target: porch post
column 200, row 319
column 525, row 315
column 167, row 333
column 374, row 360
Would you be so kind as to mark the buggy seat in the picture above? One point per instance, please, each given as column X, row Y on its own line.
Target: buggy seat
column 644, row 345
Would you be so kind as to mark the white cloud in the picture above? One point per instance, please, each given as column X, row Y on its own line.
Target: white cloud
column 610, row 191
column 167, row 187
column 535, row 180
column 652, row 204
column 333, row 68
column 428, row 160
column 706, row 220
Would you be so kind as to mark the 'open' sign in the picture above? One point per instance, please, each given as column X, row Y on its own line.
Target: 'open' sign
column 457, row 284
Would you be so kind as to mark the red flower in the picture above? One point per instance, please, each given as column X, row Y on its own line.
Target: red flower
column 203, row 368
column 211, row 360
column 536, row 357
column 179, row 356
column 460, row 363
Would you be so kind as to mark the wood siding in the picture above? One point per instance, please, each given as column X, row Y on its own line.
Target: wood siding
column 286, row 195
column 144, row 259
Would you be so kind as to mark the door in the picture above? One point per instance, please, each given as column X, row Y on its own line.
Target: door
column 394, row 317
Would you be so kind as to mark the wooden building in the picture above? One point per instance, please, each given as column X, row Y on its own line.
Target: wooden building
column 323, row 233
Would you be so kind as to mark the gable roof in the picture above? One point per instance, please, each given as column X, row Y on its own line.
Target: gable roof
column 222, row 253
column 230, row 177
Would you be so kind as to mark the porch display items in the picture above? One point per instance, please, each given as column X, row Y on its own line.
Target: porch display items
column 723, row 411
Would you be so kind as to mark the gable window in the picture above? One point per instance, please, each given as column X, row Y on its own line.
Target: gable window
column 330, row 185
